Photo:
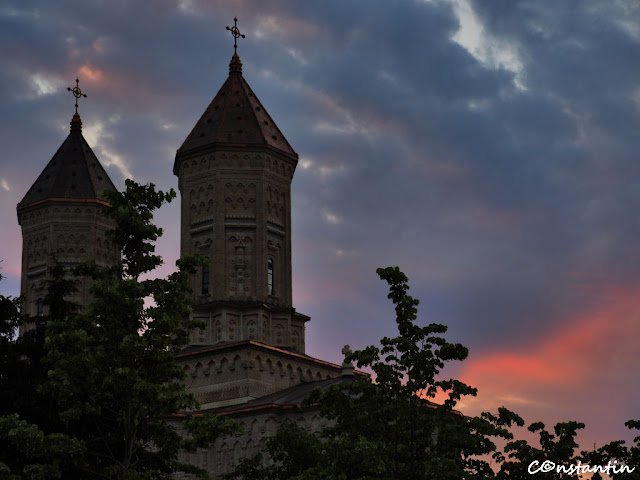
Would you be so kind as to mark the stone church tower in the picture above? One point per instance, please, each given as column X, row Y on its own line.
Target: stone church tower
column 60, row 218
column 235, row 170
column 234, row 174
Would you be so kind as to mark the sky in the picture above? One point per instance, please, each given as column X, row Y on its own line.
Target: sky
column 488, row 149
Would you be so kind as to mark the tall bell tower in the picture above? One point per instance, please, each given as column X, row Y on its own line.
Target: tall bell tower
column 234, row 174
column 60, row 217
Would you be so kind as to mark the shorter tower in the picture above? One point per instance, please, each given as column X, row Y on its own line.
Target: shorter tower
column 60, row 217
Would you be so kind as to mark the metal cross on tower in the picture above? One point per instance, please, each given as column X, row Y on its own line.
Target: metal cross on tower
column 77, row 92
column 236, row 34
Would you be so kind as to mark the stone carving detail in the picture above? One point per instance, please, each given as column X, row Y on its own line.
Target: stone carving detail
column 240, row 199
column 211, row 366
column 231, row 329
column 201, row 200
column 252, row 330
column 273, row 246
column 278, row 333
column 202, row 335
column 217, row 331
column 275, row 205
column 240, row 249
column 37, row 250
column 279, row 168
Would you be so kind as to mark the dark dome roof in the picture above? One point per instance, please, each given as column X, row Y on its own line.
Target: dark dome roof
column 236, row 117
column 74, row 173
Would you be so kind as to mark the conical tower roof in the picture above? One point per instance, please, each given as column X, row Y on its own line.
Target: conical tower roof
column 74, row 173
column 236, row 118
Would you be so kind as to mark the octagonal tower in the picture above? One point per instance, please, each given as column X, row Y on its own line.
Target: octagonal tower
column 234, row 172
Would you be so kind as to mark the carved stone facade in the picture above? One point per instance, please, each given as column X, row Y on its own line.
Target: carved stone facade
column 233, row 322
column 258, row 426
column 236, row 211
column 232, row 374
column 234, row 174
column 68, row 232
column 61, row 220
column 260, row 387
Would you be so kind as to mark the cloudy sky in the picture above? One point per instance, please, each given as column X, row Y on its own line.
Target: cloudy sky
column 490, row 149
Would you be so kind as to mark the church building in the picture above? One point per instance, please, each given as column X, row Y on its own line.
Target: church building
column 234, row 174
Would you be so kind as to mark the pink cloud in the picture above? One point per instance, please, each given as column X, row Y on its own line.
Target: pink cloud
column 92, row 75
column 580, row 370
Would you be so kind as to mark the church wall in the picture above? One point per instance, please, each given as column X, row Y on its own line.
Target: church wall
column 235, row 375
column 282, row 328
column 63, row 232
column 236, row 211
column 258, row 427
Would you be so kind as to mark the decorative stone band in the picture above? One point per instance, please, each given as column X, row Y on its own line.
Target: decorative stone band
column 69, row 200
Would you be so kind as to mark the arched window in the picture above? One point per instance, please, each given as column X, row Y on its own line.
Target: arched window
column 39, row 308
column 270, row 276
column 206, row 276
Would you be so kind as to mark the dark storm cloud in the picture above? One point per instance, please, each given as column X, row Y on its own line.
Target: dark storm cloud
column 512, row 153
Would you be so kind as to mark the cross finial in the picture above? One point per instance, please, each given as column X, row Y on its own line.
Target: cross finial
column 77, row 92
column 347, row 367
column 236, row 34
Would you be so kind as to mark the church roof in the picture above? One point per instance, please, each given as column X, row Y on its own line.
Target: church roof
column 235, row 117
column 74, row 173
column 196, row 350
column 291, row 397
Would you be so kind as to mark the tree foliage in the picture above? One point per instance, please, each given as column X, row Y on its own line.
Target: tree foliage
column 391, row 427
column 110, row 369
column 619, row 453
column 558, row 447
column 31, row 445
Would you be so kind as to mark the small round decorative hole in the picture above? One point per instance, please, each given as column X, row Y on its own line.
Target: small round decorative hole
column 237, row 104
column 258, row 108
column 239, row 131
column 208, row 120
column 266, row 123
column 239, row 118
column 202, row 134
column 274, row 137
column 215, row 107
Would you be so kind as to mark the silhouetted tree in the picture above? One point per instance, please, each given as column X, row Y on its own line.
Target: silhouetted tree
column 108, row 372
column 31, row 443
column 390, row 428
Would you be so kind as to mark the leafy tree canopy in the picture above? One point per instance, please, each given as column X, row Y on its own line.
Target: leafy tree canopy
column 110, row 368
column 393, row 428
